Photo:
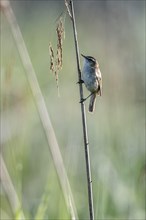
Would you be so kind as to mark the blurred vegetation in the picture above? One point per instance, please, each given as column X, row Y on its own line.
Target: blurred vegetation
column 114, row 33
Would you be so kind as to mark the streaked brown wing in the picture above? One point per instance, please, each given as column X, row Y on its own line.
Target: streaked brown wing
column 99, row 79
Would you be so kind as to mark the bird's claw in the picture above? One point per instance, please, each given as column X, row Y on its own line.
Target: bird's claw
column 82, row 100
column 80, row 81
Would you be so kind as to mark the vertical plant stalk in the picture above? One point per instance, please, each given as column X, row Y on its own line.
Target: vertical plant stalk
column 85, row 133
column 42, row 109
column 10, row 191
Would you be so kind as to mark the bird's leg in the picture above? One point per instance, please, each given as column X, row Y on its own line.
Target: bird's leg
column 84, row 99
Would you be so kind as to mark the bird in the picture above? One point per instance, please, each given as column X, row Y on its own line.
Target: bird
column 92, row 78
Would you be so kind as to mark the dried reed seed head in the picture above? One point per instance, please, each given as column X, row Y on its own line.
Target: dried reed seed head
column 52, row 66
column 59, row 58
column 51, row 57
column 60, row 29
column 56, row 78
column 51, row 50
column 57, row 61
column 60, row 35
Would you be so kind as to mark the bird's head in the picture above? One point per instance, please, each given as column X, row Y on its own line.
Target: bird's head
column 90, row 60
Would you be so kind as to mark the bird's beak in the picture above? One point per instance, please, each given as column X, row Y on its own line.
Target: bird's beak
column 83, row 55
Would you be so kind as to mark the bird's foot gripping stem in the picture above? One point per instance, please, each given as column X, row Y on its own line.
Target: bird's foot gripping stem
column 80, row 81
column 82, row 100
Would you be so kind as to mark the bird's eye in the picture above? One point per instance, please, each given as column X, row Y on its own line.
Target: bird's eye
column 92, row 63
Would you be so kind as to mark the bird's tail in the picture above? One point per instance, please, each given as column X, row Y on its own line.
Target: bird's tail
column 92, row 102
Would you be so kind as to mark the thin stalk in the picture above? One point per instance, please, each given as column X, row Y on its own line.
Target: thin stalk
column 10, row 191
column 42, row 109
column 85, row 133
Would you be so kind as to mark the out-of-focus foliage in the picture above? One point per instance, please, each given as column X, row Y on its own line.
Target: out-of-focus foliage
column 114, row 33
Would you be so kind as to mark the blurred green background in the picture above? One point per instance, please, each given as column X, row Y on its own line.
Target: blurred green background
column 114, row 33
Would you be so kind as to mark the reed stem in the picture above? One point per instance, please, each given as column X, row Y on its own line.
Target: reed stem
column 85, row 133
